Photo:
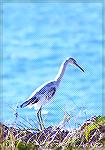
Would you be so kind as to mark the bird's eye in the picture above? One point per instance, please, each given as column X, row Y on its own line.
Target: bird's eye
column 74, row 61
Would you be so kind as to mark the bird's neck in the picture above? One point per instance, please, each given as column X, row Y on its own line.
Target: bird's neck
column 61, row 71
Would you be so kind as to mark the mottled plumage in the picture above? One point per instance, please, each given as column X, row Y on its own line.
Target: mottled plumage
column 46, row 92
column 41, row 95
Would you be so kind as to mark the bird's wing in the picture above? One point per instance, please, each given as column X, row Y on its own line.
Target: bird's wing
column 50, row 93
column 48, row 90
column 45, row 91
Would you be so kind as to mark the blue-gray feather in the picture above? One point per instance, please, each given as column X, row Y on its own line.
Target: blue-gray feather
column 47, row 90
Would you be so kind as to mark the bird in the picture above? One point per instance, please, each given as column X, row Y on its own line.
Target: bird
column 46, row 91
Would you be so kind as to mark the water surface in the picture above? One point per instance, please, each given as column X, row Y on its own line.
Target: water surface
column 37, row 38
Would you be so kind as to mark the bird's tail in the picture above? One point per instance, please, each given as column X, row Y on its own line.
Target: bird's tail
column 29, row 102
column 25, row 104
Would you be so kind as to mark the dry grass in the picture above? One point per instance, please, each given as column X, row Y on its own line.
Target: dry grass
column 89, row 136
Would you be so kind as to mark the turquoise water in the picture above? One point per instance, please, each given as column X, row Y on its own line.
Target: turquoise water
column 37, row 37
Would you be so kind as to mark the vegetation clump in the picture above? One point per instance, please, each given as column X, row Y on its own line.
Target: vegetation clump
column 89, row 136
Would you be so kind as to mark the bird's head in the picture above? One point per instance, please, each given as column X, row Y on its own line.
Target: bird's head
column 73, row 61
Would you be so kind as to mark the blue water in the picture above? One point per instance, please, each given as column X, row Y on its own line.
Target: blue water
column 37, row 37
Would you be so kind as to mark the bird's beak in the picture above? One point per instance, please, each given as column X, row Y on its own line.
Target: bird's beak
column 78, row 66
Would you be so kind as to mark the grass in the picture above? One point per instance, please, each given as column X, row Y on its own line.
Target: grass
column 89, row 136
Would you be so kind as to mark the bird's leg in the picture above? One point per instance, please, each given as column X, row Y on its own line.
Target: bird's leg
column 42, row 123
column 40, row 118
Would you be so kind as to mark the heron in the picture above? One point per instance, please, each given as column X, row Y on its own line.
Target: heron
column 46, row 91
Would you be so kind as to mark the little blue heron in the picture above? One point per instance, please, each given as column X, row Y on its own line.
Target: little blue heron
column 46, row 92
